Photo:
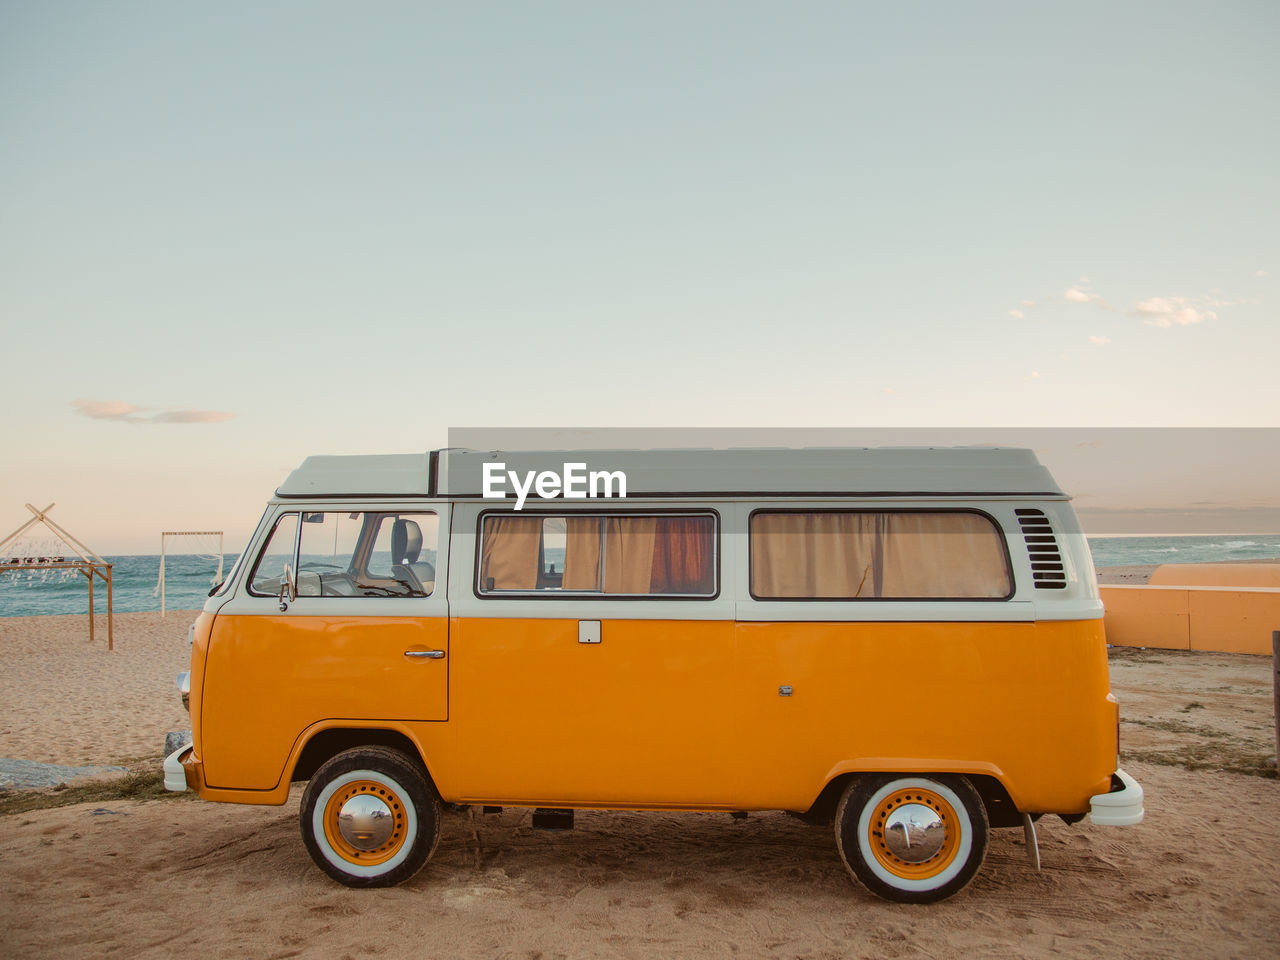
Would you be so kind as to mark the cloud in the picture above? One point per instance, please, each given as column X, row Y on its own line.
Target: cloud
column 1074, row 294
column 192, row 416
column 107, row 410
column 1260, row 273
column 1033, row 375
column 130, row 413
column 1020, row 311
column 1171, row 311
column 888, row 390
column 1100, row 341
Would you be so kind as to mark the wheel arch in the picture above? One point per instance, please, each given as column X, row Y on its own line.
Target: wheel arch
column 324, row 741
column 1001, row 810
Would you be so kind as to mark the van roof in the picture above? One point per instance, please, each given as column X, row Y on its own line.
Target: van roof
column 808, row 471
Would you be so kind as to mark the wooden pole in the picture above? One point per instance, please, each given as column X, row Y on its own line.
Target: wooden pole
column 91, row 606
column 111, row 634
column 1275, row 685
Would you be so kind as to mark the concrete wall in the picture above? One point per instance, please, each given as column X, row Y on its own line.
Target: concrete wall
column 1230, row 620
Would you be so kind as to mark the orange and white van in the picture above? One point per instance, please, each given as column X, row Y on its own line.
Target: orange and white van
column 908, row 642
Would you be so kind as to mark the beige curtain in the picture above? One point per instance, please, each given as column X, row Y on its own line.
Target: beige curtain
column 581, row 554
column 510, row 553
column 957, row 555
column 813, row 554
column 628, row 550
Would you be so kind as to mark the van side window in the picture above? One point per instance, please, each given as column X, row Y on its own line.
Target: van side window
column 268, row 575
column 861, row 555
column 631, row 555
column 355, row 554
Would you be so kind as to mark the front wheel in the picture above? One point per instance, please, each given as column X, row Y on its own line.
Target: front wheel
column 912, row 839
column 370, row 818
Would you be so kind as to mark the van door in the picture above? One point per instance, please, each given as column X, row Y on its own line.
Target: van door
column 338, row 617
column 571, row 688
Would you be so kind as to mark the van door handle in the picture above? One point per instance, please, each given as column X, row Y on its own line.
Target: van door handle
column 424, row 654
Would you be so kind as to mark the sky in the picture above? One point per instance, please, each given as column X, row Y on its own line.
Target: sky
column 233, row 235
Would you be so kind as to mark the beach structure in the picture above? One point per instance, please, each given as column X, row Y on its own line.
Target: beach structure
column 207, row 544
column 16, row 554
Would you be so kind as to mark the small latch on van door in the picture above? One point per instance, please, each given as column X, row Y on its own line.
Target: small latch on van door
column 588, row 631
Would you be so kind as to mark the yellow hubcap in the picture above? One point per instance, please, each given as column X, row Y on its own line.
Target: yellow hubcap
column 378, row 832
column 914, row 833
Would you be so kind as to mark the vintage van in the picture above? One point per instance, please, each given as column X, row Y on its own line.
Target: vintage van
column 907, row 642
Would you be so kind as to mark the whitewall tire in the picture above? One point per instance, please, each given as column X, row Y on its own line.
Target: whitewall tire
column 370, row 817
column 912, row 839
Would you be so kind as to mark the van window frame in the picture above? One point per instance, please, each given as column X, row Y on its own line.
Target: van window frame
column 588, row 595
column 266, row 542
column 301, row 511
column 999, row 528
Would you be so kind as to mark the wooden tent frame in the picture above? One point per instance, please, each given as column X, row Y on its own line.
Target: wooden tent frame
column 89, row 564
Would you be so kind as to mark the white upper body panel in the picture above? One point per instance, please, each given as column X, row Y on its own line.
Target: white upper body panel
column 1003, row 483
column 863, row 471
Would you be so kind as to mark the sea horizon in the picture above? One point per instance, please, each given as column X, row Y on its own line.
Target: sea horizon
column 39, row 591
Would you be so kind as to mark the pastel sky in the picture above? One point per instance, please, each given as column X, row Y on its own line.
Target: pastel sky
column 234, row 234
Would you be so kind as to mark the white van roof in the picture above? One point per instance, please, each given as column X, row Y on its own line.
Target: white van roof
column 810, row 471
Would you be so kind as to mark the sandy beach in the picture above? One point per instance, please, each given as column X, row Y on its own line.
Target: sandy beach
column 1140, row 573
column 65, row 700
column 1200, row 878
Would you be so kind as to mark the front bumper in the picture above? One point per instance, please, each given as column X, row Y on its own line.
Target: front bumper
column 177, row 775
column 1119, row 807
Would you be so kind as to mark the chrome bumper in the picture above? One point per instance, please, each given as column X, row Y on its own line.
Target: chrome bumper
column 1119, row 808
column 175, row 774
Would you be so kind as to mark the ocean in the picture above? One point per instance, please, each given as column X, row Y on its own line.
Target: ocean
column 1126, row 551
column 25, row 593
column 188, row 579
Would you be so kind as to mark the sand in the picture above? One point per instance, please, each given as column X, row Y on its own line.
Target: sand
column 1200, row 878
column 65, row 700
column 1140, row 573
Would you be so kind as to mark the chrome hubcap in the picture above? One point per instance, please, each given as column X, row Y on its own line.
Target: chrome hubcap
column 365, row 822
column 914, row 832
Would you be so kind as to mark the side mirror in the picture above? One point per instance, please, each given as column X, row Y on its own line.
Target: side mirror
column 288, row 589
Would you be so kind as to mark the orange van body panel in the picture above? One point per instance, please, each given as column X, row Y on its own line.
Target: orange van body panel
column 662, row 713
column 199, row 651
column 645, row 717
column 1026, row 703
column 267, row 679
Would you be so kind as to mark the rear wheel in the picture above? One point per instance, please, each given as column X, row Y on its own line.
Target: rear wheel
column 370, row 818
column 912, row 839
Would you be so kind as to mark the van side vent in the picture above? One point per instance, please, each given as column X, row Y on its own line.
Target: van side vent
column 1047, row 570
